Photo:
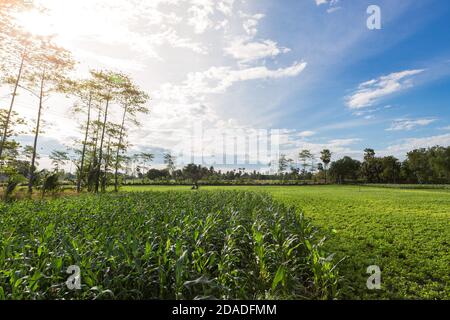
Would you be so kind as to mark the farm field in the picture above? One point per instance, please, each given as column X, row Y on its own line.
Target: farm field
column 155, row 245
column 405, row 232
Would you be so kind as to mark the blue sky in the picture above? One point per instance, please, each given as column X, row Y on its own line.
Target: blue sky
column 310, row 68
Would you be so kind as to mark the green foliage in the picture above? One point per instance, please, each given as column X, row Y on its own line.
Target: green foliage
column 175, row 245
column 13, row 181
column 50, row 183
column 405, row 232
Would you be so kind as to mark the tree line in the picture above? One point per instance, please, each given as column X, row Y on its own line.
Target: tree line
column 421, row 166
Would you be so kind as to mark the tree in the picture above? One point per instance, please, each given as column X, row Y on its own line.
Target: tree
column 21, row 49
column 325, row 156
column 59, row 159
column 50, row 64
column 147, row 159
column 10, row 123
column 345, row 168
column 372, row 167
column 86, row 91
column 16, row 46
column 194, row 173
column 391, row 169
column 110, row 84
column 133, row 103
column 305, row 156
column 169, row 161
column 439, row 160
column 419, row 165
column 282, row 164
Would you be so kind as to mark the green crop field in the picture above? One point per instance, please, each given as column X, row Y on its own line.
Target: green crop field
column 173, row 245
column 229, row 242
column 405, row 232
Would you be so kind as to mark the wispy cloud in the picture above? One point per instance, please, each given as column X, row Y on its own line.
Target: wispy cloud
column 371, row 92
column 415, row 143
column 306, row 134
column 333, row 5
column 219, row 79
column 407, row 124
column 245, row 51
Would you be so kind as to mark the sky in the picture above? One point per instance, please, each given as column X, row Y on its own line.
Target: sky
column 302, row 74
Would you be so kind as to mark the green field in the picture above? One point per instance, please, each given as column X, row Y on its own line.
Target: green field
column 154, row 245
column 227, row 242
column 405, row 232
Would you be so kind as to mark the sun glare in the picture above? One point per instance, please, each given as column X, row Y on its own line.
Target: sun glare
column 37, row 23
column 61, row 18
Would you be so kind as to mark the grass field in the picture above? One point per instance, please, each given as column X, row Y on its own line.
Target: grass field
column 405, row 232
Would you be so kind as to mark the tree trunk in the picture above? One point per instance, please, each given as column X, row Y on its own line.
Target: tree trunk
column 116, row 172
column 36, row 135
column 8, row 118
column 80, row 174
column 100, row 156
column 107, row 158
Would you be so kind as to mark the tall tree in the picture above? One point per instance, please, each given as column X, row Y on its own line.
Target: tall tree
column 372, row 167
column 15, row 48
column 325, row 156
column 283, row 163
column 147, row 158
column 169, row 161
column 110, row 84
column 86, row 91
column 133, row 103
column 49, row 65
column 305, row 156
column 59, row 159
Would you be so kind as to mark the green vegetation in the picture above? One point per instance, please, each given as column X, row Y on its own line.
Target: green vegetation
column 405, row 232
column 175, row 245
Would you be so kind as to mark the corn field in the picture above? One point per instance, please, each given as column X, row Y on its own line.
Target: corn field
column 152, row 245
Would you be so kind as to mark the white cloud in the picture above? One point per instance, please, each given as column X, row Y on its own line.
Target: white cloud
column 219, row 79
column 332, row 5
column 320, row 2
column 306, row 134
column 200, row 12
column 370, row 92
column 245, row 51
column 415, row 143
column 407, row 125
column 251, row 22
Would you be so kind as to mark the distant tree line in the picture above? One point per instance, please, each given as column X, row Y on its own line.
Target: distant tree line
column 422, row 166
